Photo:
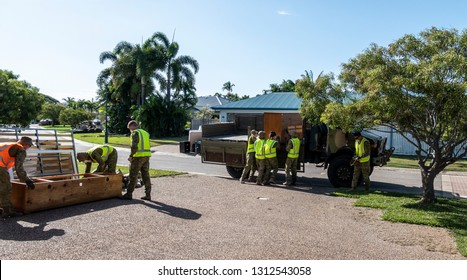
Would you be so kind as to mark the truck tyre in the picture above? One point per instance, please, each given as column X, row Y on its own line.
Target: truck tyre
column 234, row 172
column 340, row 172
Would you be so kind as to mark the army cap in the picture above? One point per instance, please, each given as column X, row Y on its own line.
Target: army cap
column 26, row 141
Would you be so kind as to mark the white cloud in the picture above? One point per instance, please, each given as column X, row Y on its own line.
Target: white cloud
column 284, row 13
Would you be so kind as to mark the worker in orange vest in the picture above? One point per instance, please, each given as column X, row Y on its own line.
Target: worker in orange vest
column 12, row 155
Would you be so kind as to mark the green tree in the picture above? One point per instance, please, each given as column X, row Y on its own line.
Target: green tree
column 70, row 102
column 231, row 96
column 178, row 71
column 132, row 75
column 129, row 77
column 317, row 95
column 73, row 117
column 285, row 86
column 20, row 102
column 417, row 86
column 204, row 114
column 228, row 86
column 52, row 111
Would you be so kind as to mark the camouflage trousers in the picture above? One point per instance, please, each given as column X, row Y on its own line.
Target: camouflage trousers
column 261, row 164
column 272, row 167
column 291, row 170
column 250, row 167
column 5, row 189
column 139, row 164
column 362, row 168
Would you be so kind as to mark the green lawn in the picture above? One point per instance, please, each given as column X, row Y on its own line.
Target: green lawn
column 115, row 140
column 123, row 140
column 154, row 173
column 450, row 213
column 411, row 162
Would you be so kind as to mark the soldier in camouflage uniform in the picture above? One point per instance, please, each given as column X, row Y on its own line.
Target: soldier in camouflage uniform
column 12, row 155
column 260, row 157
column 362, row 161
column 105, row 155
column 139, row 160
column 250, row 167
column 272, row 165
column 291, row 163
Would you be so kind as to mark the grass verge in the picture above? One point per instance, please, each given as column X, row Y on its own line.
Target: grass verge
column 447, row 213
column 124, row 141
column 154, row 173
column 412, row 162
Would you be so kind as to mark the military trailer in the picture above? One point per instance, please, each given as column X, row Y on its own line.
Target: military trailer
column 331, row 149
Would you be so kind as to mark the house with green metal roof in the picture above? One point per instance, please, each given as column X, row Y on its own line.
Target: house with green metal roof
column 250, row 112
column 276, row 102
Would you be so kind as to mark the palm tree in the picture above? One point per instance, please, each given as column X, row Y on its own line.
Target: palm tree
column 228, row 86
column 177, row 72
column 70, row 102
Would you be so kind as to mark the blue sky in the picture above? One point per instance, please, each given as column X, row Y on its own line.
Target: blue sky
column 55, row 44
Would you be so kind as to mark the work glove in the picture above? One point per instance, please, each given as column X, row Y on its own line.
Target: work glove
column 30, row 184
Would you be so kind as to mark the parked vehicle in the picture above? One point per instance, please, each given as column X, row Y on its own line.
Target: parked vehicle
column 45, row 122
column 325, row 147
column 94, row 126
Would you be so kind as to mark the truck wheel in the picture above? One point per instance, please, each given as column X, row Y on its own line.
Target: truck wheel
column 340, row 172
column 234, row 172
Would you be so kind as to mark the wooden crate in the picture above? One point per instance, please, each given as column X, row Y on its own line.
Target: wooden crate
column 64, row 190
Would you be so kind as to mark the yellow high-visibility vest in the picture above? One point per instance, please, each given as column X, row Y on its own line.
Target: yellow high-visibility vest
column 251, row 147
column 259, row 148
column 106, row 150
column 270, row 148
column 360, row 150
column 144, row 148
column 295, row 151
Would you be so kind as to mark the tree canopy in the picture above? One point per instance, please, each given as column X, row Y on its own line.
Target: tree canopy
column 20, row 102
column 129, row 85
column 417, row 86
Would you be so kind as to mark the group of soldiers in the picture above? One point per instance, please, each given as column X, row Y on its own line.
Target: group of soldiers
column 106, row 156
column 262, row 157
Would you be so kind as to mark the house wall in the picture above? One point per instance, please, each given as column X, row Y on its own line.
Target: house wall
column 401, row 145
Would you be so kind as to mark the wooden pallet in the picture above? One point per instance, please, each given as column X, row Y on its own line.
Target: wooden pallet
column 64, row 190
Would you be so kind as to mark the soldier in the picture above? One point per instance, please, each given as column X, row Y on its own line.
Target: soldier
column 105, row 155
column 362, row 161
column 293, row 149
column 139, row 160
column 271, row 158
column 13, row 155
column 250, row 167
column 260, row 158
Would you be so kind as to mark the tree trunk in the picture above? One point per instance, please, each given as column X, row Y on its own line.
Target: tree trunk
column 428, row 178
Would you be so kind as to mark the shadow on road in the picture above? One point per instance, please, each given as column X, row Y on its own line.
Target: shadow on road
column 323, row 186
column 12, row 230
column 173, row 211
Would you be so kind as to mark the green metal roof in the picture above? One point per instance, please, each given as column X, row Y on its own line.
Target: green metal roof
column 272, row 101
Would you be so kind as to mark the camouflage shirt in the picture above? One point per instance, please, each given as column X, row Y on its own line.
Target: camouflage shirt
column 20, row 155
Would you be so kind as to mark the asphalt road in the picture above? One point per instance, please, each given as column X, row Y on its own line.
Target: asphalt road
column 383, row 178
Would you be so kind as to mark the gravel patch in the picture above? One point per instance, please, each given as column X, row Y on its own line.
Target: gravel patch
column 202, row 217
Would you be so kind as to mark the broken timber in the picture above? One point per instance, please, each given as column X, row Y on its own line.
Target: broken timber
column 64, row 190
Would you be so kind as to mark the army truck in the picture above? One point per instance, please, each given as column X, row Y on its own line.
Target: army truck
column 331, row 149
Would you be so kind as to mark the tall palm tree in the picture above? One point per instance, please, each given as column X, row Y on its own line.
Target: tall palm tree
column 70, row 102
column 228, row 86
column 177, row 72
